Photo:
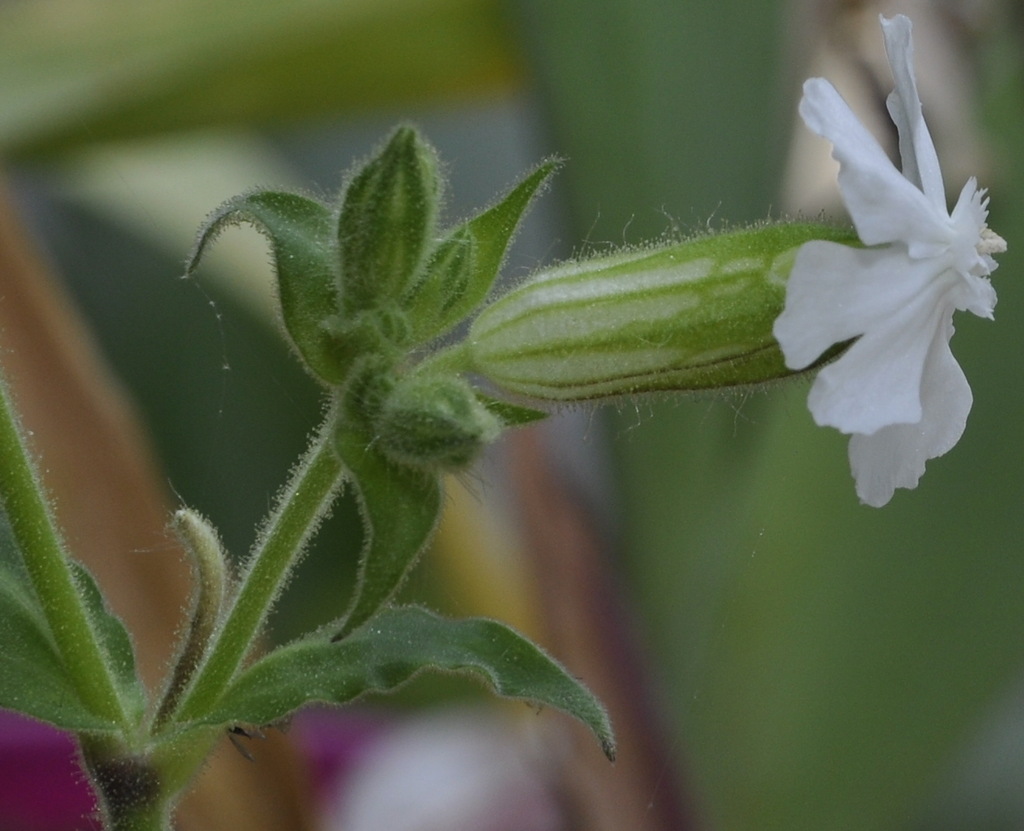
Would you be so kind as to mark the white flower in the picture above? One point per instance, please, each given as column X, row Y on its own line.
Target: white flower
column 897, row 390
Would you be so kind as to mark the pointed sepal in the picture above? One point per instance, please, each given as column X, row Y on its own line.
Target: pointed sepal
column 466, row 263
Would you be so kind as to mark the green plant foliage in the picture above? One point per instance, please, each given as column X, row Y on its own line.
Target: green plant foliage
column 467, row 263
column 33, row 680
column 400, row 506
column 300, row 234
column 82, row 71
column 391, row 648
column 387, row 221
column 115, row 641
column 513, row 415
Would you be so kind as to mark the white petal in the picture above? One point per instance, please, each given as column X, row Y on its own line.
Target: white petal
column 883, row 204
column 975, row 243
column 836, row 293
column 895, row 456
column 917, row 151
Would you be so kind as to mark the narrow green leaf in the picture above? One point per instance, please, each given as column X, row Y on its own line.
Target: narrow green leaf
column 33, row 680
column 390, row 649
column 299, row 230
column 487, row 237
column 387, row 218
column 116, row 643
column 400, row 507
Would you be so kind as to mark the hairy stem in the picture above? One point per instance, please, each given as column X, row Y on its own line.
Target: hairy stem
column 299, row 510
column 42, row 546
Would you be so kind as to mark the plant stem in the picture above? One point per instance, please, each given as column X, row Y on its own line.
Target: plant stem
column 299, row 509
column 46, row 561
column 128, row 786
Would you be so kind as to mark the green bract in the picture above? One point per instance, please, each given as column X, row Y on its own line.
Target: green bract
column 689, row 316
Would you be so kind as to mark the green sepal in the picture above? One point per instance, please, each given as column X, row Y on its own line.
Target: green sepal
column 511, row 415
column 390, row 649
column 387, row 220
column 443, row 284
column 400, row 507
column 115, row 641
column 686, row 316
column 33, row 680
column 300, row 232
column 434, row 422
column 466, row 264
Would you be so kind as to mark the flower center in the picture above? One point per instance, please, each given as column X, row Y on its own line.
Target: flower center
column 989, row 242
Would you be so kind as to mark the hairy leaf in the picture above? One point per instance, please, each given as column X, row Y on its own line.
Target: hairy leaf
column 115, row 640
column 390, row 649
column 32, row 677
column 400, row 506
column 299, row 230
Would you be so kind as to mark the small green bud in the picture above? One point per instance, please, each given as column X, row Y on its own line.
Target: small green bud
column 690, row 316
column 387, row 221
column 434, row 422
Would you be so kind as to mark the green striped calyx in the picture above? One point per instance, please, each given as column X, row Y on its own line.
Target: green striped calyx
column 692, row 315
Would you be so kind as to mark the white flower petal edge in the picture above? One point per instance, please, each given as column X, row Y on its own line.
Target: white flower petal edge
column 897, row 389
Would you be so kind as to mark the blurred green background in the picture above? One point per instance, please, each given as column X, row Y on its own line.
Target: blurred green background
column 825, row 665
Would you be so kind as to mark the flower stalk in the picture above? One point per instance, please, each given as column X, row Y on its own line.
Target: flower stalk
column 300, row 507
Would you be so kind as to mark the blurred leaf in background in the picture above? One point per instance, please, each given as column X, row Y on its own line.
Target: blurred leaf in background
column 80, row 71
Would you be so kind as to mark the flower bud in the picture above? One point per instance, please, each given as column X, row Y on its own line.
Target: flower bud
column 387, row 220
column 689, row 316
column 434, row 422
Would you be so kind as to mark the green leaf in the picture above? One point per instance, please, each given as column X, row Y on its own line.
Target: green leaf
column 390, row 649
column 300, row 233
column 32, row 677
column 400, row 507
column 115, row 640
column 200, row 63
column 387, row 219
column 481, row 243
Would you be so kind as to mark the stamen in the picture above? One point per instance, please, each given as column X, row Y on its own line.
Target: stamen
column 989, row 242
